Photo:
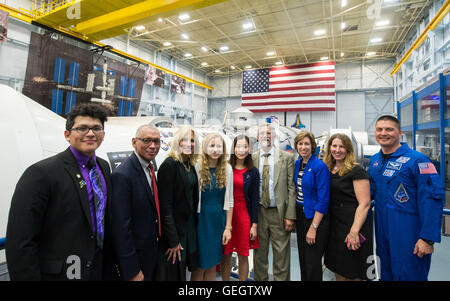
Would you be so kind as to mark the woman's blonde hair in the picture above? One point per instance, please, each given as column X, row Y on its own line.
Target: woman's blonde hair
column 349, row 161
column 221, row 168
column 175, row 150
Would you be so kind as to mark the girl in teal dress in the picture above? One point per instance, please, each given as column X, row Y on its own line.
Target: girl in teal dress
column 215, row 207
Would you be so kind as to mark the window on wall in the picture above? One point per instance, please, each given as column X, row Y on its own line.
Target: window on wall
column 406, row 115
column 428, row 108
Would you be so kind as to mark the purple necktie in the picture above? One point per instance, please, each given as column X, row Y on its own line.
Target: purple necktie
column 97, row 187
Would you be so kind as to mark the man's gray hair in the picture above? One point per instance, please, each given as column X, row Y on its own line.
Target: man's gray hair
column 139, row 129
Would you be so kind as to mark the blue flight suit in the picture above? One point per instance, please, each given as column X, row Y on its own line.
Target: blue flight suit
column 409, row 202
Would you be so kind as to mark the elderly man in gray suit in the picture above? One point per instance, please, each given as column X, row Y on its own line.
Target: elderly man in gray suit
column 276, row 213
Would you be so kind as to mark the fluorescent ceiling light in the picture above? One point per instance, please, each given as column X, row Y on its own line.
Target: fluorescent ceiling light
column 167, row 43
column 324, row 58
column 371, row 53
column 376, row 40
column 140, row 27
column 204, row 64
column 160, row 19
column 342, row 54
column 232, row 67
column 343, row 3
column 185, row 36
column 278, row 63
column 224, row 48
column 187, row 54
column 320, row 32
column 204, row 49
column 217, row 70
column 247, row 25
column 270, row 53
column 382, row 23
column 184, row 17
column 248, row 67
column 343, row 25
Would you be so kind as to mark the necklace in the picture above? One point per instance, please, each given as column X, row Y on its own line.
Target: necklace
column 335, row 168
column 187, row 166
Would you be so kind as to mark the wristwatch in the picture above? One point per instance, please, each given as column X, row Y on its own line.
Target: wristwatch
column 430, row 242
column 314, row 226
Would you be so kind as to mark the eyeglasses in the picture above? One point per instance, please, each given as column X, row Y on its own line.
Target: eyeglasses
column 83, row 130
column 148, row 141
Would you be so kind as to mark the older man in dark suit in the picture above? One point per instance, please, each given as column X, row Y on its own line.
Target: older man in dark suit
column 135, row 208
column 58, row 226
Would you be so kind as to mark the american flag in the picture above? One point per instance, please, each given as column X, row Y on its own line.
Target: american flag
column 309, row 87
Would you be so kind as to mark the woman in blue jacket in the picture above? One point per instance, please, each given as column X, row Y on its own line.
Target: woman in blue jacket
column 245, row 211
column 312, row 184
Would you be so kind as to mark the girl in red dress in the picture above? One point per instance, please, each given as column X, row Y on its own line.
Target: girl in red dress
column 245, row 212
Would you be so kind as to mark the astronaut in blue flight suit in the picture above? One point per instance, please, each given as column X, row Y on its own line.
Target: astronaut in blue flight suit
column 409, row 202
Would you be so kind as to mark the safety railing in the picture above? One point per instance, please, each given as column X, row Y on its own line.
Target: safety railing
column 48, row 7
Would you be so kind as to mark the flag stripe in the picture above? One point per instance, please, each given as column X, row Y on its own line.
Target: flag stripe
column 273, row 103
column 307, row 87
column 307, row 95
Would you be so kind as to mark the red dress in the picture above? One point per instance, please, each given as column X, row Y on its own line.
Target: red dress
column 240, row 235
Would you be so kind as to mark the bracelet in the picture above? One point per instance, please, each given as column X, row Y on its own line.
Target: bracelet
column 228, row 228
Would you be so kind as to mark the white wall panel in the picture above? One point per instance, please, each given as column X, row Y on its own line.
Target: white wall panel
column 350, row 110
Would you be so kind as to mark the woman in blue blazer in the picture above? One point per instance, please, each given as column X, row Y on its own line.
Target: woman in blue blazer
column 312, row 185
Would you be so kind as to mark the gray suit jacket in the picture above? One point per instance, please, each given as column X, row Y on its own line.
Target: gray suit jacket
column 284, row 187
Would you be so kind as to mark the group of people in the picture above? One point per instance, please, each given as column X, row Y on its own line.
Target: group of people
column 70, row 218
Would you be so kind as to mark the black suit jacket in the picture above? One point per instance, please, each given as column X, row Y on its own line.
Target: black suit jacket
column 135, row 220
column 173, row 183
column 50, row 220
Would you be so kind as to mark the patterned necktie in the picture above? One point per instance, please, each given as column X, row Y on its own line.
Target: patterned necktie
column 155, row 195
column 265, row 198
column 97, row 187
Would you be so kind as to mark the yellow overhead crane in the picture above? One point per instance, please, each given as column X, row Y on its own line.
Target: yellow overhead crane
column 94, row 20
column 422, row 37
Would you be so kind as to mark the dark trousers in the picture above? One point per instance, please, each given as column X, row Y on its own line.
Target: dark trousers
column 310, row 256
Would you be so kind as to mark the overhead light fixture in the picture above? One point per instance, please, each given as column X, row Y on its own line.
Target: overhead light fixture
column 187, row 54
column 343, row 25
column 248, row 67
column 160, row 19
column 184, row 36
column 370, row 53
column 343, row 3
column 224, row 48
column 278, row 63
column 324, row 58
column 320, row 32
column 376, row 40
column 204, row 64
column 270, row 53
column 184, row 17
column 247, row 25
column 342, row 54
column 204, row 49
column 167, row 44
column 382, row 23
column 217, row 70
column 232, row 67
column 140, row 27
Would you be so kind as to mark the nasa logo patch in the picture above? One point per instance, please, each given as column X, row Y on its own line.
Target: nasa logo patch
column 375, row 164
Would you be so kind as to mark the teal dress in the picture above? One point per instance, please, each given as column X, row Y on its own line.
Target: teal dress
column 211, row 224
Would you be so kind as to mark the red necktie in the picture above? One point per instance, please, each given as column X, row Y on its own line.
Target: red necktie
column 155, row 195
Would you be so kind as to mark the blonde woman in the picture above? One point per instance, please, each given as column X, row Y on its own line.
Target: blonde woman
column 215, row 206
column 178, row 199
column 350, row 240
